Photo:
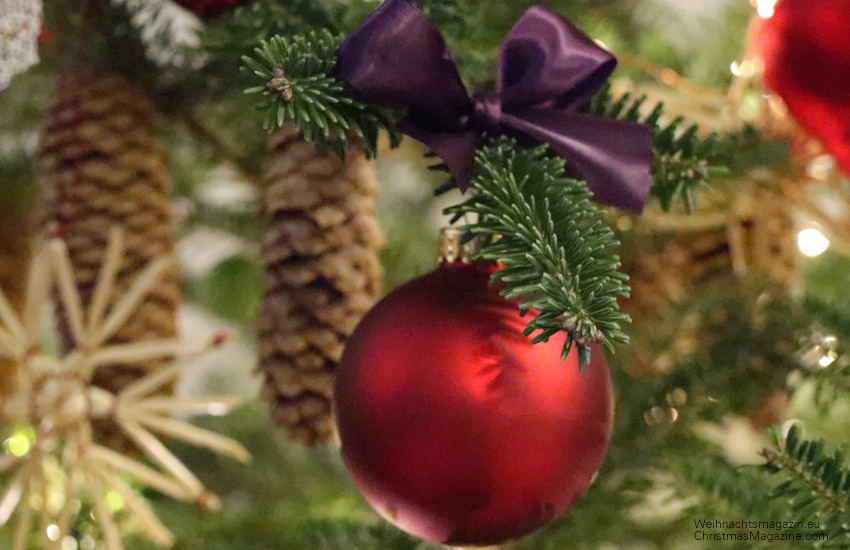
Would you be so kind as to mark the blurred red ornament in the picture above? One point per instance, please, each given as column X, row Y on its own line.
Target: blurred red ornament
column 806, row 51
column 208, row 9
column 45, row 37
column 454, row 426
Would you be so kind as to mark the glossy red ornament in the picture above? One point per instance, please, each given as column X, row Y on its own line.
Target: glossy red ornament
column 454, row 426
column 208, row 9
column 806, row 50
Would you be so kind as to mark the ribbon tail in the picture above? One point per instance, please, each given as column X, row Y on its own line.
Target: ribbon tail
column 614, row 157
column 456, row 149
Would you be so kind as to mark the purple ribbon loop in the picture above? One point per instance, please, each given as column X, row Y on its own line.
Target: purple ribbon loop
column 548, row 72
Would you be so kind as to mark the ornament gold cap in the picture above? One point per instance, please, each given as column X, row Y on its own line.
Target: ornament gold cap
column 451, row 248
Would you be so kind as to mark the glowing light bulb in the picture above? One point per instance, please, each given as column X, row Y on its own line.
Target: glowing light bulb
column 766, row 8
column 827, row 359
column 821, row 167
column 18, row 445
column 812, row 242
column 114, row 500
column 745, row 68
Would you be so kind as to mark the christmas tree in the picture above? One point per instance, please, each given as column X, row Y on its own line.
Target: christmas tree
column 630, row 332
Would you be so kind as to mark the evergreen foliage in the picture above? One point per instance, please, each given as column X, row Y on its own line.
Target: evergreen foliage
column 817, row 487
column 553, row 242
column 226, row 39
column 751, row 342
column 683, row 162
column 299, row 86
column 748, row 149
column 739, row 490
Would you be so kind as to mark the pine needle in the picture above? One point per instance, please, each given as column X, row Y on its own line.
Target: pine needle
column 553, row 242
column 683, row 163
column 297, row 82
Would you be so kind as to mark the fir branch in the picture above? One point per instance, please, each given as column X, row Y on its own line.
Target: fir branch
column 553, row 243
column 818, row 487
column 225, row 38
column 826, row 336
column 830, row 383
column 451, row 14
column 298, row 86
column 444, row 13
column 721, row 485
column 682, row 163
column 834, row 314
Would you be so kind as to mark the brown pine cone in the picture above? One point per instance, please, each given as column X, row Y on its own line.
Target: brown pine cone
column 323, row 274
column 750, row 235
column 102, row 168
column 762, row 236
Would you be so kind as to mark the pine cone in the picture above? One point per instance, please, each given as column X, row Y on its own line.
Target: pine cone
column 762, row 236
column 103, row 168
column 323, row 274
column 753, row 238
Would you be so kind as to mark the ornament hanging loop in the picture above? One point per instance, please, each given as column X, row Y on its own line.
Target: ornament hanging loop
column 452, row 247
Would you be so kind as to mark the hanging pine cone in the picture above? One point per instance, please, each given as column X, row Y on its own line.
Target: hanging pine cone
column 751, row 235
column 102, row 168
column 762, row 236
column 665, row 271
column 323, row 273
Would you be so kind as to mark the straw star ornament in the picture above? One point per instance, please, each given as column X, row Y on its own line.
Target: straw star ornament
column 56, row 400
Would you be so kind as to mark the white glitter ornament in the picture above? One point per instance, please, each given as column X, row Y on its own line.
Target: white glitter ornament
column 20, row 25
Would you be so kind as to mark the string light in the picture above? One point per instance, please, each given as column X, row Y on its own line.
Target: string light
column 812, row 242
column 828, row 359
column 114, row 500
column 657, row 416
column 766, row 8
column 18, row 445
column 821, row 167
column 745, row 68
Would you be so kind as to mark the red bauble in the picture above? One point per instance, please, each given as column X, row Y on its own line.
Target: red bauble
column 454, row 426
column 806, row 51
column 207, row 9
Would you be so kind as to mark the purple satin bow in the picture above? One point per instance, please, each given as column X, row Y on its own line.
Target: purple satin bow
column 548, row 72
